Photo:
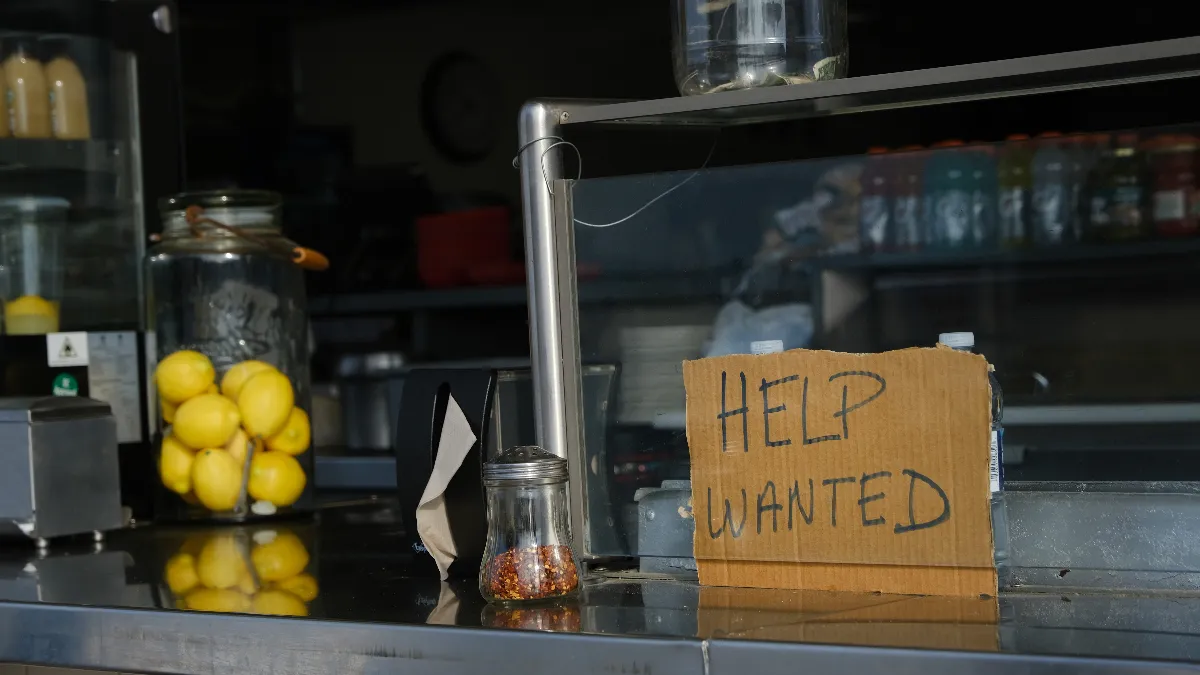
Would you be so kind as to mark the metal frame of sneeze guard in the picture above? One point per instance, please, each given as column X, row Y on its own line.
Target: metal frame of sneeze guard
column 553, row 299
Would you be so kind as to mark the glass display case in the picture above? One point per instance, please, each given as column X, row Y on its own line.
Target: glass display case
column 89, row 137
column 1067, row 255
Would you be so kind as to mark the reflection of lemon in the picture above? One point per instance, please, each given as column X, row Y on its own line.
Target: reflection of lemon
column 168, row 410
column 206, row 421
column 276, row 478
column 181, row 574
column 303, row 586
column 235, row 377
column 265, row 402
column 217, row 600
column 30, row 315
column 221, row 564
column 281, row 558
column 183, row 375
column 175, row 465
column 238, row 446
column 294, row 436
column 278, row 603
column 216, row 479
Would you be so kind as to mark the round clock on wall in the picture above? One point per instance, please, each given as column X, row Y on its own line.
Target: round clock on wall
column 460, row 102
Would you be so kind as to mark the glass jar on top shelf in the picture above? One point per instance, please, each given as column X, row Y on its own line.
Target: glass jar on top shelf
column 528, row 554
column 227, row 309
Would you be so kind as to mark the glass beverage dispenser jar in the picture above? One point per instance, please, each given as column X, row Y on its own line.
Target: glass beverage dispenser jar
column 31, row 234
column 741, row 44
column 228, row 311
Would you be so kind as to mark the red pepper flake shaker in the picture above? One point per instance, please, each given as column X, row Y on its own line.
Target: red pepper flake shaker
column 528, row 554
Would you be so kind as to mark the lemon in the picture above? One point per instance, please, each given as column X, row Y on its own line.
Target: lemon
column 183, row 375
column 235, row 377
column 168, row 410
column 206, row 421
column 247, row 584
column 175, row 465
column 278, row 603
column 220, row 563
column 303, row 586
column 238, row 446
column 276, row 478
column 213, row 389
column 217, row 600
column 216, row 479
column 294, row 437
column 283, row 557
column 30, row 315
column 265, row 402
column 180, row 573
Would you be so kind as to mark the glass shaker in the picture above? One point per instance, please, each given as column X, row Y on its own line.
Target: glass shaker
column 227, row 312
column 31, row 239
column 528, row 554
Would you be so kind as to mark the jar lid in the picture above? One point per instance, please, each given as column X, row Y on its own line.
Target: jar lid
column 526, row 464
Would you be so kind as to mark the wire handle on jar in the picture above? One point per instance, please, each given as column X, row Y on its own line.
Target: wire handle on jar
column 306, row 258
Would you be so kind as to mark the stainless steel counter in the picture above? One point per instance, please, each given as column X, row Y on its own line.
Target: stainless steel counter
column 112, row 609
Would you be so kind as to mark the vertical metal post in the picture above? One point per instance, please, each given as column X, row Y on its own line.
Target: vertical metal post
column 539, row 167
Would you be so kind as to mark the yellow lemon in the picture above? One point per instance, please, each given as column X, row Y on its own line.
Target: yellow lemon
column 295, row 435
column 206, row 421
column 183, row 375
column 175, row 465
column 238, row 446
column 180, row 573
column 278, row 603
column 221, row 564
column 303, row 586
column 216, row 479
column 217, row 600
column 168, row 410
column 265, row 402
column 246, row 584
column 276, row 478
column 30, row 315
column 283, row 557
column 235, row 377
column 213, row 389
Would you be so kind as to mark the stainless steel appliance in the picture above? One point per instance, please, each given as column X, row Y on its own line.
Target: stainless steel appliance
column 58, row 468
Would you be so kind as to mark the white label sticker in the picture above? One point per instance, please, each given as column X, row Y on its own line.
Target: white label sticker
column 766, row 346
column 64, row 350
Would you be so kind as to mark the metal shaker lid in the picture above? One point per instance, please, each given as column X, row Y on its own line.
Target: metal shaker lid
column 524, row 465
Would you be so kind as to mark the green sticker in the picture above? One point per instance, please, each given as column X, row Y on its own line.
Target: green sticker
column 65, row 385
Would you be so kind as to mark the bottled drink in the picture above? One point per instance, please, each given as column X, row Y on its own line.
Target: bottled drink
column 908, row 165
column 1173, row 182
column 948, row 178
column 983, row 195
column 874, row 210
column 1015, row 182
column 1051, row 191
column 965, row 342
column 1118, row 193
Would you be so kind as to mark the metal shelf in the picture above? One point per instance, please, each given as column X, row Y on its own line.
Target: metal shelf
column 1082, row 252
column 1087, row 69
column 90, row 156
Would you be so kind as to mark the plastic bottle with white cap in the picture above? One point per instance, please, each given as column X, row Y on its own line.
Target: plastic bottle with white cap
column 965, row 342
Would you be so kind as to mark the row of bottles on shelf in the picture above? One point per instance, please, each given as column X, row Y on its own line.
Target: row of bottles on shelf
column 43, row 100
column 1042, row 191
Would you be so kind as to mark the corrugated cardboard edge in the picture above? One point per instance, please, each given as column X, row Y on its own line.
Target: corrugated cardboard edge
column 919, row 580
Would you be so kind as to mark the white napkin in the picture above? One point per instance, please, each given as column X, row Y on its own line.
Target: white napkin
column 433, row 526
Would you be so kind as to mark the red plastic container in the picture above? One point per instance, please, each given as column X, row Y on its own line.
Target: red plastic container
column 450, row 245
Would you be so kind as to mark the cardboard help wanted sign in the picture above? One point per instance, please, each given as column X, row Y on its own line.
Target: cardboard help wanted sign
column 858, row 472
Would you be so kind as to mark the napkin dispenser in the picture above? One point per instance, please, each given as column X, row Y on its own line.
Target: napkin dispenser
column 58, row 468
column 423, row 404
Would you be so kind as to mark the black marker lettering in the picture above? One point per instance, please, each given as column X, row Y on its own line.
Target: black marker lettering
column 912, row 518
column 735, row 532
column 774, row 507
column 804, row 421
column 843, row 413
column 725, row 414
column 833, row 500
column 794, row 503
column 767, row 410
column 864, row 498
